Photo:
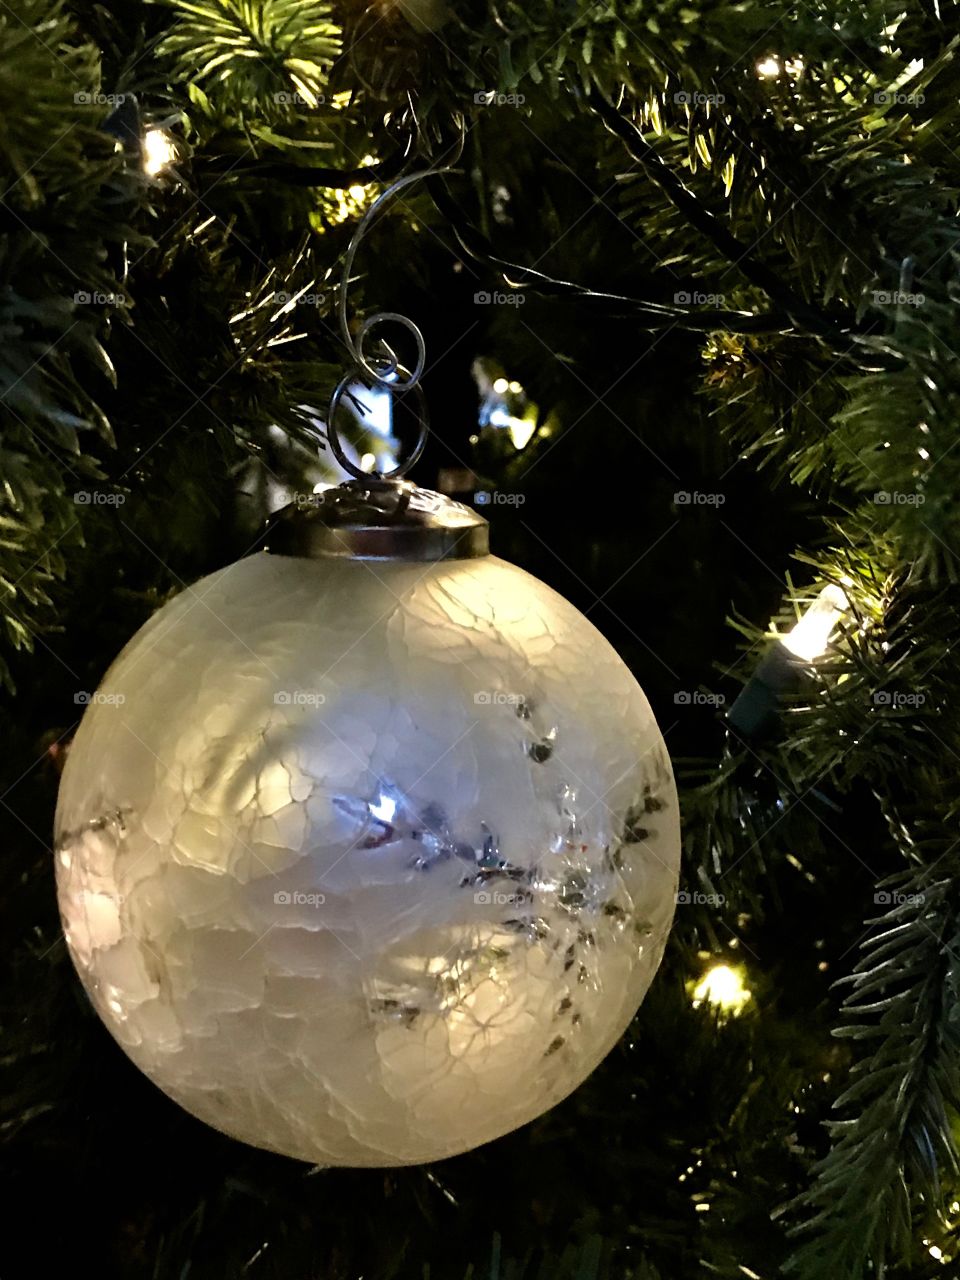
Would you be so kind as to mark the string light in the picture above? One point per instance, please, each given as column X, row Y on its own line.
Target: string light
column 811, row 635
column 723, row 986
column 159, row 151
column 770, row 67
column 756, row 710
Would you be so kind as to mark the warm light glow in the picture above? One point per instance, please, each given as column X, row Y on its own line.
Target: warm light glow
column 368, row 461
column 811, row 635
column 768, row 67
column 501, row 386
column 521, row 429
column 159, row 151
column 722, row 986
column 514, row 387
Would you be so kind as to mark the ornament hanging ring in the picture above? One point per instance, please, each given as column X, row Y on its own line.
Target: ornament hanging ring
column 389, row 370
column 401, row 387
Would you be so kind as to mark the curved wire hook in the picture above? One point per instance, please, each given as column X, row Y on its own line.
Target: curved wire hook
column 385, row 370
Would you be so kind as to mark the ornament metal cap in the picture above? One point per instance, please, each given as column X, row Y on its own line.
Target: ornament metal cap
column 379, row 521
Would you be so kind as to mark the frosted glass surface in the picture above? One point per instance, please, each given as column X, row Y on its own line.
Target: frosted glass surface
column 367, row 863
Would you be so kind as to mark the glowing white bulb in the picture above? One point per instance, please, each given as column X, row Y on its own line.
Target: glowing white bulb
column 384, row 809
column 159, row 151
column 515, row 387
column 768, row 67
column 368, row 461
column 936, row 1252
column 501, row 386
column 722, row 986
column 811, row 635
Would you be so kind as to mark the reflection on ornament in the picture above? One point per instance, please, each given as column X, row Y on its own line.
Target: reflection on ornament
column 377, row 855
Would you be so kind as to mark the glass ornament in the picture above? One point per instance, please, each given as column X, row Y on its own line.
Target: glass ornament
column 367, row 847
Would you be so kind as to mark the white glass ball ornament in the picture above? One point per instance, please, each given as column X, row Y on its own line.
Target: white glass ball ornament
column 367, row 852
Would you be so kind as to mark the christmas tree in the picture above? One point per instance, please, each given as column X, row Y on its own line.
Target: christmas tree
column 686, row 277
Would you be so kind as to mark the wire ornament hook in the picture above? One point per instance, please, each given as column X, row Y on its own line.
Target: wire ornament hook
column 383, row 370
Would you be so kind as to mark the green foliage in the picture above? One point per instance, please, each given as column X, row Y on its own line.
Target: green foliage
column 251, row 53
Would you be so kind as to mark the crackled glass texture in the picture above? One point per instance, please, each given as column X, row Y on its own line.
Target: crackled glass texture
column 367, row 863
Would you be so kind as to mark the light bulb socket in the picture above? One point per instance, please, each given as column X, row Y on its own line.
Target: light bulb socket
column 393, row 520
column 756, row 710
